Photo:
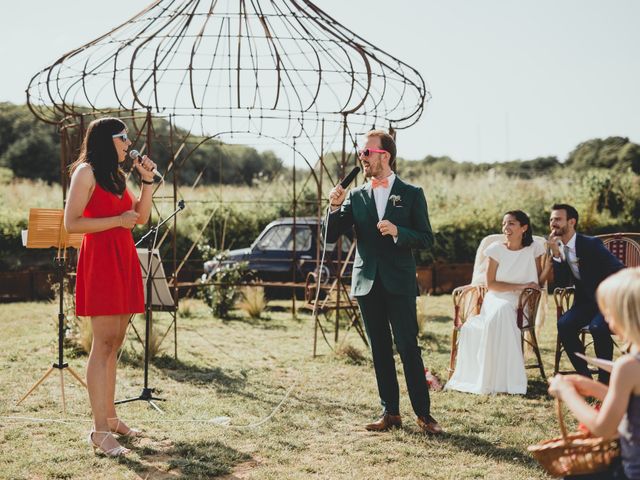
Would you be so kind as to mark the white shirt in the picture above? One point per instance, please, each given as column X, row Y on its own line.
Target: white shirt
column 381, row 196
column 571, row 257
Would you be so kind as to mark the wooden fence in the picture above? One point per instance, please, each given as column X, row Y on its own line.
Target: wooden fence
column 36, row 284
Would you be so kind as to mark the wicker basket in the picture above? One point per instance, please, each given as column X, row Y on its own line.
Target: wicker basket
column 574, row 454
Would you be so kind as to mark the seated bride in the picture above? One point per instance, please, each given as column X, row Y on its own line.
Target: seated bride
column 490, row 356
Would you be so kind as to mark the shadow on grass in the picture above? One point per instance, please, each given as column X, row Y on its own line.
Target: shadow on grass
column 483, row 448
column 263, row 323
column 439, row 319
column 537, row 388
column 186, row 460
column 195, row 374
column 441, row 341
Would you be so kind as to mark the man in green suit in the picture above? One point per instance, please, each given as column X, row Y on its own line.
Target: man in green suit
column 390, row 218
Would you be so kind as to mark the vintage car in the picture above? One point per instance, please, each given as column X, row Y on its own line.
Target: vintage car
column 271, row 257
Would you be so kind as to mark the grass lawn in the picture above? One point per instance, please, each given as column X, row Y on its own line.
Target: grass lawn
column 290, row 415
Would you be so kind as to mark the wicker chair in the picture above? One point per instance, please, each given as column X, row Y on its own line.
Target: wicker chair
column 626, row 247
column 467, row 301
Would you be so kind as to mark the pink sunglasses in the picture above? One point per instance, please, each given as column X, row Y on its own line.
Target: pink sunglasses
column 365, row 152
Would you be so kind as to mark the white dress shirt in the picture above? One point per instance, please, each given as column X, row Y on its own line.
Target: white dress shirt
column 568, row 254
column 381, row 196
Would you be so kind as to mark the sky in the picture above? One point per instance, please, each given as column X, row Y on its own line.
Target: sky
column 509, row 79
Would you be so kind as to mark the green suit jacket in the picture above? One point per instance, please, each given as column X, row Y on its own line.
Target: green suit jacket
column 377, row 253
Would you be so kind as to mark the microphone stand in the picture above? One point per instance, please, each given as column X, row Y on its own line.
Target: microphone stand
column 151, row 237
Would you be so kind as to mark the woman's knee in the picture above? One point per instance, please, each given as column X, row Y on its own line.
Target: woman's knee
column 106, row 345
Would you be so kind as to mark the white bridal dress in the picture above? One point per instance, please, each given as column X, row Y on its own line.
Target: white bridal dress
column 489, row 349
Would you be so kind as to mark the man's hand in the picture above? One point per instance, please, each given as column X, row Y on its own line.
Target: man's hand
column 553, row 246
column 385, row 227
column 337, row 196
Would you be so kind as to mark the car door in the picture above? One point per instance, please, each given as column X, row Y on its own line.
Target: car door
column 272, row 256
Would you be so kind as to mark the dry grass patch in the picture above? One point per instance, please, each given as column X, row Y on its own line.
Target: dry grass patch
column 290, row 416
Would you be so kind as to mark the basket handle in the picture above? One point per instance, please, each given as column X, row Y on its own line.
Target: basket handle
column 563, row 428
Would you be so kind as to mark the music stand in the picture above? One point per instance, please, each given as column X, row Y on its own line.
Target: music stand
column 161, row 297
column 46, row 230
column 150, row 237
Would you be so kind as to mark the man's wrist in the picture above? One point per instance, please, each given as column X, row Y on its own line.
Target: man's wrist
column 146, row 182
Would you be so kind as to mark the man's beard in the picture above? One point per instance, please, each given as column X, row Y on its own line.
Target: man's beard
column 559, row 232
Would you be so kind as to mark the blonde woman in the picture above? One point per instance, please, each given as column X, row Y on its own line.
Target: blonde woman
column 619, row 300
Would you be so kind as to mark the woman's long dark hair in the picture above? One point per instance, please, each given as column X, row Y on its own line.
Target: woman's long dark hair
column 99, row 151
column 523, row 219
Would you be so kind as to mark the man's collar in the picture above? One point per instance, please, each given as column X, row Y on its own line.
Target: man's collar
column 390, row 178
column 572, row 242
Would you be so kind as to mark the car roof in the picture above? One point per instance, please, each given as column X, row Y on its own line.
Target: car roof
column 298, row 221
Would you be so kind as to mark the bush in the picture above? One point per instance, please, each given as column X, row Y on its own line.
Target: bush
column 222, row 297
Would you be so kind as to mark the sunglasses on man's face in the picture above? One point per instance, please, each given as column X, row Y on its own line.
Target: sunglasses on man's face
column 365, row 152
column 124, row 136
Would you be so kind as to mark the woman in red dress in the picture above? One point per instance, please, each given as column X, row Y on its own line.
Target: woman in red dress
column 109, row 281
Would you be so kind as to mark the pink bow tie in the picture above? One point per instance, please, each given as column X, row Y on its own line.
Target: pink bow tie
column 379, row 183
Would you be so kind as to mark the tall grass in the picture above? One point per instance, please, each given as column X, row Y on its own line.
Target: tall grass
column 462, row 209
column 252, row 301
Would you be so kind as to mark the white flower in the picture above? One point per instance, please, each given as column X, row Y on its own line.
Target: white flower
column 395, row 199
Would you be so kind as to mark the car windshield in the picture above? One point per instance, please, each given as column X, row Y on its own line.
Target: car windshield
column 280, row 237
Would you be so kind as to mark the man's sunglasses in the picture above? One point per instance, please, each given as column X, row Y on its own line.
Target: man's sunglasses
column 124, row 136
column 365, row 152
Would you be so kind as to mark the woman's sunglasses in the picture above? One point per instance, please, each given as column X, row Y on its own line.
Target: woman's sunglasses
column 365, row 152
column 124, row 136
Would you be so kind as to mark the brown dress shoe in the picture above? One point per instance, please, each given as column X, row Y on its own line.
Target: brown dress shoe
column 429, row 425
column 385, row 422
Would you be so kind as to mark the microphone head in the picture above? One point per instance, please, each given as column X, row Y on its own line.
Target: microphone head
column 133, row 154
column 350, row 177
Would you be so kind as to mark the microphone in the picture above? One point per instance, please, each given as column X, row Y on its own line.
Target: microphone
column 135, row 155
column 346, row 181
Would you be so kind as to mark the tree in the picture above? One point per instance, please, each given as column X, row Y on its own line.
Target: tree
column 611, row 153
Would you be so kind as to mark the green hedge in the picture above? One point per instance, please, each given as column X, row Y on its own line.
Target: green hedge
column 462, row 211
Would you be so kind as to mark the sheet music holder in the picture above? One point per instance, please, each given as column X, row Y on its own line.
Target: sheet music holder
column 46, row 230
column 161, row 296
column 606, row 365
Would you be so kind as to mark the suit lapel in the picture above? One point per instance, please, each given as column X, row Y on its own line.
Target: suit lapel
column 367, row 196
column 396, row 189
column 578, row 252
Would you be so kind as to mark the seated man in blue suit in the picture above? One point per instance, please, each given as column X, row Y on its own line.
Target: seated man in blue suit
column 584, row 262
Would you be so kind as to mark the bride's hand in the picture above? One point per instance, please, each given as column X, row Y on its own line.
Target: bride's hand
column 533, row 285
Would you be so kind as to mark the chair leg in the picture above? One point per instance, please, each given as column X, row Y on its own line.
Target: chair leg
column 556, row 363
column 454, row 352
column 536, row 349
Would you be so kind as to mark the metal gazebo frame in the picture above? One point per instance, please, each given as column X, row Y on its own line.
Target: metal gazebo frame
column 282, row 71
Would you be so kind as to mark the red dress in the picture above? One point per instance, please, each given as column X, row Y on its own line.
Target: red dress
column 109, row 279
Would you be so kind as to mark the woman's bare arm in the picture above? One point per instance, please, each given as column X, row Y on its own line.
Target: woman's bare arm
column 605, row 422
column 82, row 185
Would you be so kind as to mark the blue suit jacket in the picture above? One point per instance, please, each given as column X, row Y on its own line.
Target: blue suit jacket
column 595, row 263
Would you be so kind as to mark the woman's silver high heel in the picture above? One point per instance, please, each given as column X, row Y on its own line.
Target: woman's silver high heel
column 131, row 432
column 112, row 452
